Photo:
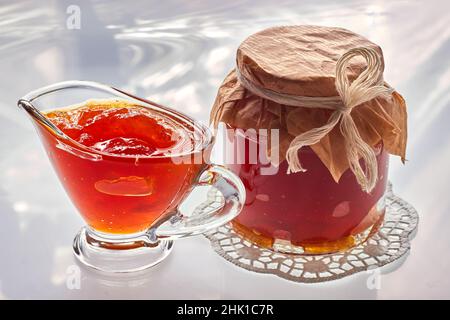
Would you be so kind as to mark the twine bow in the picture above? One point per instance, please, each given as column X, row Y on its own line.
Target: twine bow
column 367, row 86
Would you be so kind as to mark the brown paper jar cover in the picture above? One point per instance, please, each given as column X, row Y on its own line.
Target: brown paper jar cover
column 301, row 61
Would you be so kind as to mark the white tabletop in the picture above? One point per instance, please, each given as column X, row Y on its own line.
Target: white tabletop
column 177, row 53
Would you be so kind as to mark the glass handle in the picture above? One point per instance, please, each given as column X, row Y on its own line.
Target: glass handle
column 204, row 217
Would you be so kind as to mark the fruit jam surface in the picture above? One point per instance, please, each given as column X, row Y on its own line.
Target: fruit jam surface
column 117, row 129
column 120, row 184
column 308, row 209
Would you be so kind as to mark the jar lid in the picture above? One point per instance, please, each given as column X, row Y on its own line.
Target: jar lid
column 300, row 60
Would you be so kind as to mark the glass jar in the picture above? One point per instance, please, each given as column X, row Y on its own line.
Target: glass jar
column 305, row 212
column 322, row 90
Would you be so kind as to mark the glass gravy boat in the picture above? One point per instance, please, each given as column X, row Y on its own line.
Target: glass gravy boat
column 131, row 204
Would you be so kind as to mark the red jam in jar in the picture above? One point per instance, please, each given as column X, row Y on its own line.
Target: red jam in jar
column 322, row 90
column 305, row 212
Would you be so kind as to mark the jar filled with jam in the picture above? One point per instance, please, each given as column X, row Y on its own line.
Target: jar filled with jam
column 310, row 126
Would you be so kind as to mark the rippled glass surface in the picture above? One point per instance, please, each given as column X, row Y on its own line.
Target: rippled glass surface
column 177, row 53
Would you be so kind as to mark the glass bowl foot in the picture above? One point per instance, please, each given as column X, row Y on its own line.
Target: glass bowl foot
column 121, row 253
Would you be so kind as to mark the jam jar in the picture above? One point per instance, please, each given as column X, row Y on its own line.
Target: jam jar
column 321, row 89
column 306, row 212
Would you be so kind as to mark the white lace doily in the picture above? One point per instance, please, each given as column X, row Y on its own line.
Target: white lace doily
column 387, row 245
